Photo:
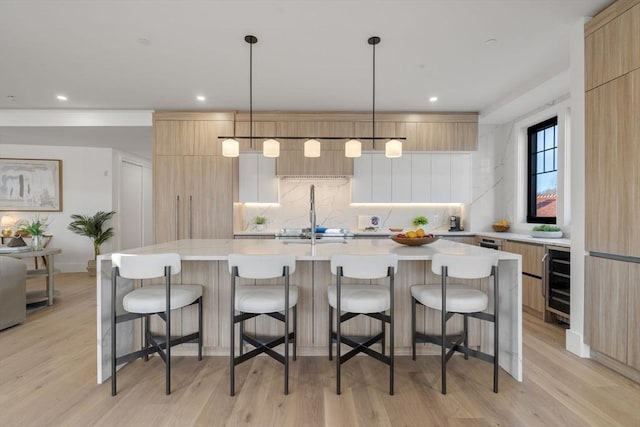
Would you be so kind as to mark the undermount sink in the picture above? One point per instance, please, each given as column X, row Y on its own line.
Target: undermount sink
column 308, row 241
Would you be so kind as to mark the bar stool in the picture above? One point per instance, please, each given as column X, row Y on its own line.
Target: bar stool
column 248, row 301
column 152, row 299
column 451, row 299
column 369, row 299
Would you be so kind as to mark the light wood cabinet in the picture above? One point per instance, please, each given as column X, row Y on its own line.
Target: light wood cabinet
column 448, row 136
column 192, row 182
column 532, row 271
column 612, row 50
column 467, row 240
column 606, row 295
column 609, row 165
column 332, row 160
column 612, row 200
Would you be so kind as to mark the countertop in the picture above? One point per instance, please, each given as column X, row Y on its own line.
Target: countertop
column 219, row 249
column 518, row 237
column 526, row 238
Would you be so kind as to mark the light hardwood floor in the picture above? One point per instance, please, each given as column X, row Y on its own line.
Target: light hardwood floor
column 47, row 378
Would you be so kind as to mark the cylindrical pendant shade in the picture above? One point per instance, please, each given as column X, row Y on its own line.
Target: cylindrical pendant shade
column 271, row 148
column 353, row 148
column 230, row 148
column 393, row 149
column 312, row 148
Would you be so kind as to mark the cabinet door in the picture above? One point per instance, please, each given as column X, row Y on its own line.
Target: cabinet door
column 606, row 296
column 173, row 137
column 440, row 178
column 610, row 164
column 435, row 136
column 467, row 136
column 460, row 178
column 401, row 179
column 169, row 198
column 633, row 357
column 613, row 49
column 361, row 182
column 532, row 294
column 531, row 256
column 420, row 178
column 380, row 178
column 257, row 178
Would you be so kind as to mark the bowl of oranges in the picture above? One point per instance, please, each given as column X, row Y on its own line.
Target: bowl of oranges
column 414, row 238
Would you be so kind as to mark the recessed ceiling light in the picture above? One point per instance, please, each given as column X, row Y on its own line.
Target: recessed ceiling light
column 490, row 41
column 61, row 97
column 201, row 98
column 433, row 99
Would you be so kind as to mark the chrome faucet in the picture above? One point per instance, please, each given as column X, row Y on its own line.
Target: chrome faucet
column 312, row 214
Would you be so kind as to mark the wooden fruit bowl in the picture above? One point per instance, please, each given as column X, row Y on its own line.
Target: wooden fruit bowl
column 500, row 228
column 414, row 241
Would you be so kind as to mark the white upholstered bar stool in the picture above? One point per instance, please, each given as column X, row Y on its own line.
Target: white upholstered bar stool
column 273, row 300
column 351, row 300
column 457, row 298
column 149, row 300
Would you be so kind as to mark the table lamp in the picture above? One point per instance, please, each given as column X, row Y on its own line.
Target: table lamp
column 6, row 223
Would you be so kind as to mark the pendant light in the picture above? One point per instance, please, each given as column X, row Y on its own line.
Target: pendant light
column 353, row 148
column 392, row 148
column 312, row 148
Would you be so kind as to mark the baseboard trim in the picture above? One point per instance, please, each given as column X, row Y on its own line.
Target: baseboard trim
column 624, row 370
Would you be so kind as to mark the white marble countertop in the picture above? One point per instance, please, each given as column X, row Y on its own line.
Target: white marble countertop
column 526, row 238
column 219, row 249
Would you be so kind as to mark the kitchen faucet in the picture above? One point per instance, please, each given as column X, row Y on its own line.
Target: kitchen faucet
column 312, row 214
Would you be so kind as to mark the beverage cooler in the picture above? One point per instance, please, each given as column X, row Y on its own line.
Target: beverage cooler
column 558, row 283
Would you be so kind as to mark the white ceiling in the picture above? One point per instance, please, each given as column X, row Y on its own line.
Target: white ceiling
column 311, row 55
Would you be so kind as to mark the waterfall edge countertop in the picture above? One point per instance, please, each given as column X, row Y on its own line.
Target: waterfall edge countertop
column 205, row 262
column 219, row 249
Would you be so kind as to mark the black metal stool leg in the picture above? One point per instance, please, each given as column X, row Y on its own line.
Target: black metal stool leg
column 330, row 333
column 384, row 333
column 295, row 331
column 466, row 336
column 413, row 328
column 200, row 339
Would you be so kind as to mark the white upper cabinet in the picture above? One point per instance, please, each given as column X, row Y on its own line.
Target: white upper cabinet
column 461, row 177
column 257, row 178
column 420, row 177
column 412, row 178
column 401, row 179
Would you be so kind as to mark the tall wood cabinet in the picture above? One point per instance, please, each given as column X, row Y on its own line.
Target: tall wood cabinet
column 612, row 181
column 192, row 183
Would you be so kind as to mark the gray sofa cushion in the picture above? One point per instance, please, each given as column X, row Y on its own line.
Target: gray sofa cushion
column 13, row 291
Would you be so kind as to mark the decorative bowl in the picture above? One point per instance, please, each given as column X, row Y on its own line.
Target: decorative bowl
column 547, row 234
column 500, row 228
column 396, row 229
column 414, row 241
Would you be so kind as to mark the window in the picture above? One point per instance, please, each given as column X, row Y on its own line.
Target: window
column 542, row 189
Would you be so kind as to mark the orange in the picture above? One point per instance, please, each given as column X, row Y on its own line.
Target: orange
column 420, row 232
column 412, row 234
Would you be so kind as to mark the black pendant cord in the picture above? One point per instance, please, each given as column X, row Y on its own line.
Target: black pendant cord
column 251, row 40
column 373, row 41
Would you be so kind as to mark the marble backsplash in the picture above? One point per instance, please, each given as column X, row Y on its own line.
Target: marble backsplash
column 334, row 209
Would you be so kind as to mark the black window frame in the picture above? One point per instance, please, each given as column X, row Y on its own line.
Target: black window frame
column 532, row 168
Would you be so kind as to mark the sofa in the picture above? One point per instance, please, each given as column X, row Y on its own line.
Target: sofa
column 13, row 292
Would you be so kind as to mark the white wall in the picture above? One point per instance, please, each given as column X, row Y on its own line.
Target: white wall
column 86, row 189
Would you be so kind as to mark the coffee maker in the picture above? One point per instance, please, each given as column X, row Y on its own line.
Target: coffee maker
column 454, row 223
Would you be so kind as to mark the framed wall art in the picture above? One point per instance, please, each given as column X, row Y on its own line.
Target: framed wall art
column 30, row 185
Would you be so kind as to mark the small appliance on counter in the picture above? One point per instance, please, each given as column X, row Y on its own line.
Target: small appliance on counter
column 369, row 222
column 454, row 223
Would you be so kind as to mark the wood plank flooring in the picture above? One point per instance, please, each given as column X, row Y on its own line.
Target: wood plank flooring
column 48, row 378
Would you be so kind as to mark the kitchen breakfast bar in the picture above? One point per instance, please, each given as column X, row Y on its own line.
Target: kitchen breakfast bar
column 205, row 262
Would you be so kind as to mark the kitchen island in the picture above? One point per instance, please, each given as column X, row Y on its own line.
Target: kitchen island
column 205, row 262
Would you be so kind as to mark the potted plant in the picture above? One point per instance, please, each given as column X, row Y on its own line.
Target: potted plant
column 34, row 228
column 261, row 222
column 546, row 231
column 420, row 220
column 92, row 227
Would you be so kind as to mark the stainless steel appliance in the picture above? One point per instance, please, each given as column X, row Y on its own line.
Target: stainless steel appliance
column 556, row 287
column 454, row 223
column 488, row 242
